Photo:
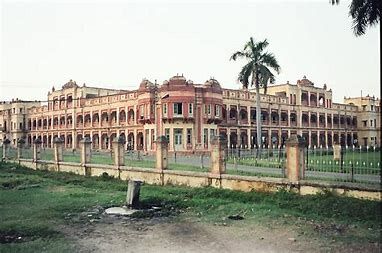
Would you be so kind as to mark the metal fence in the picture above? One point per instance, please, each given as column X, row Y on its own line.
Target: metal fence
column 351, row 164
column 190, row 162
column 261, row 162
column 354, row 164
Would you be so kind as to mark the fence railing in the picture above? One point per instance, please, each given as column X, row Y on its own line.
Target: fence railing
column 265, row 161
column 350, row 164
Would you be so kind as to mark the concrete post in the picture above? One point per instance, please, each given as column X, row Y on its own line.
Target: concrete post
column 133, row 190
column 6, row 144
column 218, row 152
column 20, row 146
column 58, row 149
column 295, row 166
column 337, row 152
column 161, row 153
column 119, row 151
column 36, row 150
column 85, row 150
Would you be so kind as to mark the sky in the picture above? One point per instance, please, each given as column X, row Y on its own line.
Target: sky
column 115, row 44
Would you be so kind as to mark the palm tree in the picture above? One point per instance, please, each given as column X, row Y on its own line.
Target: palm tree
column 257, row 68
column 364, row 13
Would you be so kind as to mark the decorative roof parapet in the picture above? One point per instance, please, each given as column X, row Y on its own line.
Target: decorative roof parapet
column 70, row 84
column 305, row 82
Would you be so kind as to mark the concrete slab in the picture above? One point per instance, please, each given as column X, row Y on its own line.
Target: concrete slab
column 120, row 211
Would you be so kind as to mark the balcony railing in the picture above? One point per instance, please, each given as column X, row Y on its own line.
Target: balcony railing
column 105, row 123
column 231, row 121
column 275, row 122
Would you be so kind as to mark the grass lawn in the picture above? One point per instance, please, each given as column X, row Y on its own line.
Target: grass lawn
column 34, row 204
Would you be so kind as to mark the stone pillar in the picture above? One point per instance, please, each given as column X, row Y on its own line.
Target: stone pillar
column 161, row 153
column 295, row 166
column 248, row 138
column 58, row 149
column 249, row 115
column 85, row 150
column 228, row 138
column 20, row 146
column 133, row 190
column 270, row 138
column 218, row 152
column 36, row 150
column 318, row 99
column 6, row 144
column 135, row 140
column 74, row 140
column 119, row 151
column 318, row 139
column 337, row 151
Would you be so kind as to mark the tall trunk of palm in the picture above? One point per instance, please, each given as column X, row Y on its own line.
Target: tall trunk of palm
column 258, row 118
column 258, row 111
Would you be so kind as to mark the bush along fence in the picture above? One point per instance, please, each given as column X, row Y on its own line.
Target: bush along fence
column 296, row 170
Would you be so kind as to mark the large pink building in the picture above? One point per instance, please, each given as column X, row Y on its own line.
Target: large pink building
column 190, row 114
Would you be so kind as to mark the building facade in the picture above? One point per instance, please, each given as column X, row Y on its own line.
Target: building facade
column 190, row 114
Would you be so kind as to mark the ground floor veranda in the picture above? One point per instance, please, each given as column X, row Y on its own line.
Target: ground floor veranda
column 189, row 140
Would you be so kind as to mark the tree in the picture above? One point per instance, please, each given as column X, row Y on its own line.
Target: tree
column 257, row 68
column 364, row 13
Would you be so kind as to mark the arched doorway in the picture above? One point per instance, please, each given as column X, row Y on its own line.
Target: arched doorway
column 140, row 141
column 130, row 141
column 95, row 141
column 104, row 141
column 233, row 140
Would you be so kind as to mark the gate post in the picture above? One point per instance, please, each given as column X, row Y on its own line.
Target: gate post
column 20, row 146
column 218, row 153
column 36, row 150
column 295, row 166
column 58, row 149
column 85, row 150
column 161, row 153
column 6, row 144
column 119, row 151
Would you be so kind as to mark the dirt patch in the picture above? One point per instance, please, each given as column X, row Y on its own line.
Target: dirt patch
column 180, row 234
column 97, row 232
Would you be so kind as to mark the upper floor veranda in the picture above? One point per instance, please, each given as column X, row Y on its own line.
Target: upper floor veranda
column 287, row 105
